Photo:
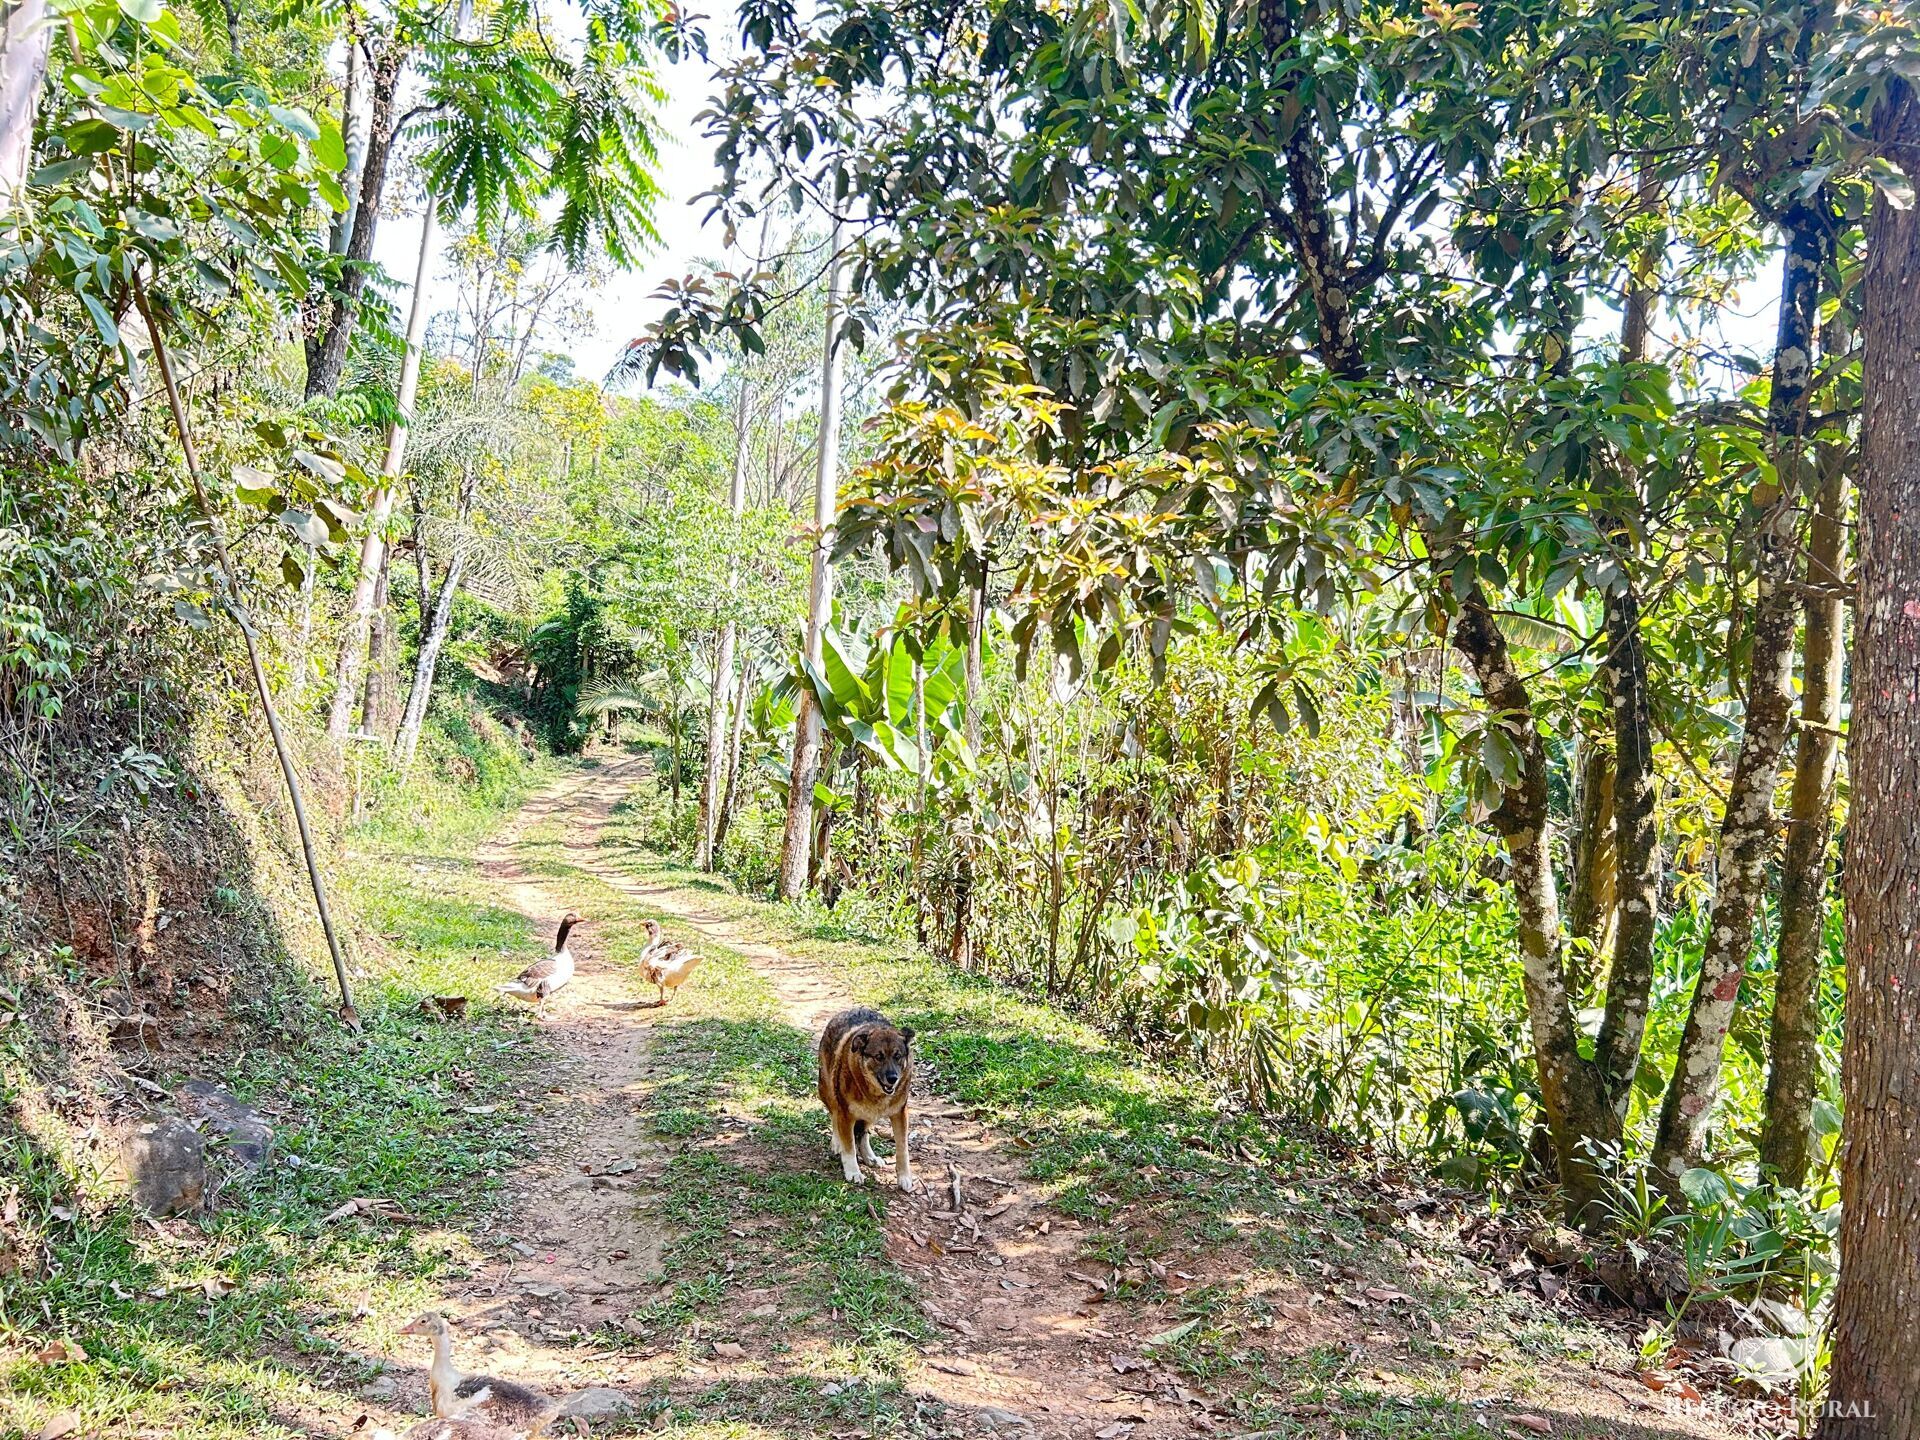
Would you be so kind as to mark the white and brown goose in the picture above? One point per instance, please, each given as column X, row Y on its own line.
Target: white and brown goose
column 667, row 964
column 505, row 1407
column 543, row 977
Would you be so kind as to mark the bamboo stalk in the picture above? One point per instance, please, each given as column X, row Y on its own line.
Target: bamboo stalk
column 164, row 363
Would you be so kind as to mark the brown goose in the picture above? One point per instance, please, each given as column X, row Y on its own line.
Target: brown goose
column 543, row 977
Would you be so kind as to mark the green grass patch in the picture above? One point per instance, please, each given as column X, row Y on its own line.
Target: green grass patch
column 239, row 1322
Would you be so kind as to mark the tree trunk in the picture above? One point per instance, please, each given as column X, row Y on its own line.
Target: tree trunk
column 1636, row 832
column 1637, row 855
column 916, row 855
column 1786, row 1138
column 1874, row 1392
column 731, row 797
column 1748, row 826
column 1590, row 905
column 960, row 948
column 353, row 636
column 806, row 731
column 26, row 38
column 353, row 134
column 428, row 661
column 327, row 350
column 711, row 787
column 373, row 696
column 1570, row 1091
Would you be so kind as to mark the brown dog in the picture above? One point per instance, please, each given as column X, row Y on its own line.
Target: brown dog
column 865, row 1069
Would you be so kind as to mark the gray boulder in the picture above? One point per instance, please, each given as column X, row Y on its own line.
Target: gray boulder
column 247, row 1133
column 163, row 1164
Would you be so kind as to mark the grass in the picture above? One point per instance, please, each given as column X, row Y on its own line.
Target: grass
column 254, row 1318
column 1152, row 1165
column 259, row 1318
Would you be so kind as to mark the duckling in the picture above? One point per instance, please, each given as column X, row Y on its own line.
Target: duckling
column 543, row 977
column 668, row 967
column 502, row 1407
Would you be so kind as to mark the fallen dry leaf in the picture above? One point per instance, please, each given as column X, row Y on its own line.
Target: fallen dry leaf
column 1538, row 1424
column 60, row 1352
column 64, row 1423
column 1113, row 1431
column 727, row 1350
column 1167, row 1337
column 1125, row 1364
column 1381, row 1295
column 1297, row 1313
column 955, row 1367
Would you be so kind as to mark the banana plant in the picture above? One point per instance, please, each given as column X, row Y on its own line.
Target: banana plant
column 865, row 689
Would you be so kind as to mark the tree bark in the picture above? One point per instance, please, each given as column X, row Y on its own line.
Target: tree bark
column 731, row 796
column 1874, row 1391
column 1570, row 1091
column 327, row 350
column 1786, row 1137
column 353, row 636
column 373, row 695
column 1636, row 832
column 1590, row 905
column 1637, row 855
column 428, row 661
column 26, row 39
column 960, row 949
column 711, row 787
column 795, row 840
column 1748, row 827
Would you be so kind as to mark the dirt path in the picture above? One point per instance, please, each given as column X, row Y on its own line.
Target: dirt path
column 1028, row 1349
column 1031, row 1343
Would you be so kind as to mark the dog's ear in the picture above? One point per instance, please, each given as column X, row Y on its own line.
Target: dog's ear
column 906, row 1034
column 858, row 1044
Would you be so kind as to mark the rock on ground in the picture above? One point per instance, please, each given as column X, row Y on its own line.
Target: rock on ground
column 596, row 1403
column 248, row 1135
column 162, row 1162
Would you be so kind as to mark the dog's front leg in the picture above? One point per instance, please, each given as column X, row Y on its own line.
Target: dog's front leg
column 849, row 1158
column 902, row 1165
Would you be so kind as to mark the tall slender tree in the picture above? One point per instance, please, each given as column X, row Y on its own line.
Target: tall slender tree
column 796, row 840
column 1874, row 1391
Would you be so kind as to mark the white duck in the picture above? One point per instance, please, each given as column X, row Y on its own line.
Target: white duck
column 543, row 977
column 667, row 966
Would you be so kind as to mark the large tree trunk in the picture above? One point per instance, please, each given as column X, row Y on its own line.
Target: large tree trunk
column 1874, row 1391
column 26, row 37
column 1747, row 828
column 353, row 634
column 795, row 840
column 1570, row 1091
column 1786, row 1137
column 327, row 350
column 1637, row 855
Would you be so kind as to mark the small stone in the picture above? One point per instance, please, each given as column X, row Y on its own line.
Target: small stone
column 379, row 1390
column 597, row 1402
